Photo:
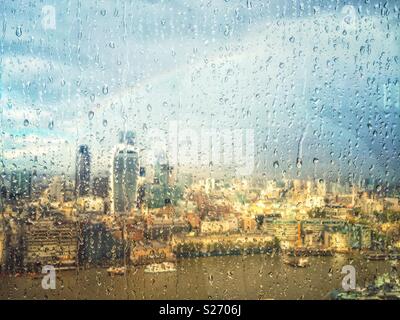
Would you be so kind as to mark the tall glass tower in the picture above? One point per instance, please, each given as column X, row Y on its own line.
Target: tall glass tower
column 3, row 194
column 21, row 185
column 124, row 175
column 82, row 177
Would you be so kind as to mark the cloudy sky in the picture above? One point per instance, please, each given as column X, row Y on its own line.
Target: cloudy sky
column 315, row 80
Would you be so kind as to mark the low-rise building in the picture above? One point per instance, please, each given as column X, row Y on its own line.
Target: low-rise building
column 220, row 226
column 392, row 204
column 286, row 231
column 314, row 202
column 47, row 242
column 249, row 224
column 2, row 246
column 337, row 240
column 164, row 228
column 154, row 252
column 91, row 204
column 194, row 220
column 369, row 206
column 313, row 235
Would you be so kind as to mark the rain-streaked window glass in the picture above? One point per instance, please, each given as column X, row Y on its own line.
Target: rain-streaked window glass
column 176, row 149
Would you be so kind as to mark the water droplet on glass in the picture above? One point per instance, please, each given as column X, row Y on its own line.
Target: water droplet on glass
column 227, row 30
column 299, row 163
column 249, row 4
column 91, row 115
column 26, row 122
column 18, row 31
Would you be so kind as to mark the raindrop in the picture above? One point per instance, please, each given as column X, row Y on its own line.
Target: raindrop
column 91, row 115
column 51, row 125
column 276, row 164
column 105, row 123
column 315, row 160
column 299, row 163
column 105, row 89
column 18, row 31
column 227, row 30
column 26, row 122
column 249, row 4
column 210, row 279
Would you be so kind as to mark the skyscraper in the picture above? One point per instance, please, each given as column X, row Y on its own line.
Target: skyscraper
column 101, row 187
column 124, row 175
column 21, row 185
column 82, row 178
column 3, row 194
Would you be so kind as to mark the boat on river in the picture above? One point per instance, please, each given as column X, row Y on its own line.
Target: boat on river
column 297, row 262
column 160, row 267
column 117, row 271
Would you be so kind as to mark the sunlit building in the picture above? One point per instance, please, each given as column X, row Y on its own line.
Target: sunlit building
column 124, row 175
column 56, row 189
column 51, row 243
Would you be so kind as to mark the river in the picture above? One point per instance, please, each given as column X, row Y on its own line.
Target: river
column 228, row 277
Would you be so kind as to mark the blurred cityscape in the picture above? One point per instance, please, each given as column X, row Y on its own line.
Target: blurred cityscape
column 140, row 215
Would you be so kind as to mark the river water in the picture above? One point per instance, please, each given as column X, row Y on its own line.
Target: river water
column 228, row 277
